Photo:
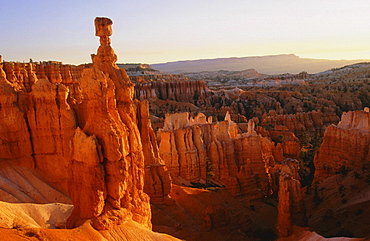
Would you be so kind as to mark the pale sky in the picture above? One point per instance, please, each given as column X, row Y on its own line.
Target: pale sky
column 160, row 31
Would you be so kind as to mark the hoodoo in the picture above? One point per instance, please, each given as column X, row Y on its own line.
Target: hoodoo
column 71, row 134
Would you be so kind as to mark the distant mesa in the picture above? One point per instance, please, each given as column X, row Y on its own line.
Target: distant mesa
column 272, row 64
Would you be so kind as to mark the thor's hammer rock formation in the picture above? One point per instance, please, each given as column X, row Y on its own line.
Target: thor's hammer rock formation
column 75, row 134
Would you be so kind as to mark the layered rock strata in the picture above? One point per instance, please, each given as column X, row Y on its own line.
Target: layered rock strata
column 157, row 179
column 345, row 147
column 301, row 114
column 310, row 122
column 182, row 91
column 240, row 161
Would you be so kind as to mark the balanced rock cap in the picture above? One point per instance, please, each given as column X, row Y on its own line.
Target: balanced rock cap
column 103, row 26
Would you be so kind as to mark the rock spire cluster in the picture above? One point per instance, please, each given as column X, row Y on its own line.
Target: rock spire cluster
column 242, row 162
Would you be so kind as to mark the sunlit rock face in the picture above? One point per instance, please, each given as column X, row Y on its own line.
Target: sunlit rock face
column 194, row 92
column 240, row 161
column 345, row 147
column 74, row 134
column 157, row 179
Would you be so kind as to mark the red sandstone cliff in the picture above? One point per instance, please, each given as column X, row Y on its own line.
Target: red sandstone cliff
column 157, row 179
column 301, row 114
column 181, row 91
column 75, row 134
column 338, row 201
column 345, row 147
column 240, row 161
column 311, row 122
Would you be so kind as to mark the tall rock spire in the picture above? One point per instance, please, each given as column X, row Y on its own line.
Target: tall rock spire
column 105, row 55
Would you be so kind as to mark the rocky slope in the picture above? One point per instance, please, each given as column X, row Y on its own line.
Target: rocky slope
column 198, row 214
column 306, row 234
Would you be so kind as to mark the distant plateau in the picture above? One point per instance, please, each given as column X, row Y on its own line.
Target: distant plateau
column 272, row 64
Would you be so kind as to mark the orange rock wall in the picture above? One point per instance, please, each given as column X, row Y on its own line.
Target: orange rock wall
column 345, row 147
column 303, row 113
column 157, row 179
column 241, row 162
column 181, row 91
column 310, row 122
